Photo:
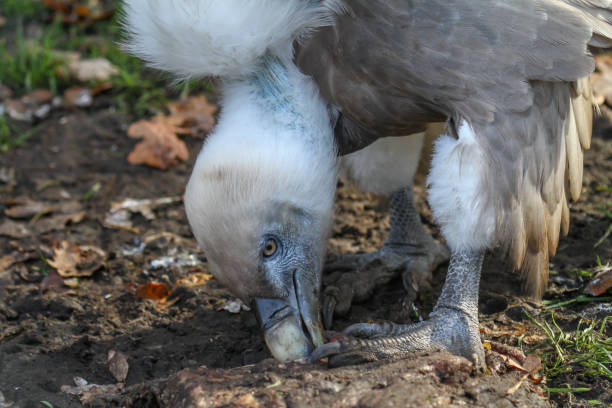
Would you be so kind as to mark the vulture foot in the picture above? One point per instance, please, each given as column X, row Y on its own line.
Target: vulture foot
column 452, row 325
column 448, row 329
column 354, row 277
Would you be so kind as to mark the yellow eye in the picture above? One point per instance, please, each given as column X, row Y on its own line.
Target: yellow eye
column 270, row 247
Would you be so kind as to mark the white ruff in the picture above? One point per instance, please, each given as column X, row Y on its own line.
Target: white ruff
column 259, row 155
column 455, row 197
column 386, row 165
column 195, row 38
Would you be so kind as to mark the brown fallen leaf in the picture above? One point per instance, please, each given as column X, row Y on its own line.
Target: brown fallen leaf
column 53, row 282
column 160, row 147
column 26, row 208
column 72, row 260
column 78, row 96
column 120, row 219
column 14, row 229
column 600, row 284
column 93, row 69
column 36, row 104
column 118, row 365
column 151, row 290
column 57, row 222
column 235, row 306
column 119, row 214
column 16, row 257
column 195, row 113
column 248, row 401
column 82, row 12
column 91, row 393
column 532, row 364
column 194, row 279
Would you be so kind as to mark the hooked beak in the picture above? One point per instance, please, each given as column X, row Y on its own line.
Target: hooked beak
column 292, row 327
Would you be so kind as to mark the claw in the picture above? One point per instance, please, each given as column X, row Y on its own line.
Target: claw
column 363, row 330
column 329, row 306
column 326, row 350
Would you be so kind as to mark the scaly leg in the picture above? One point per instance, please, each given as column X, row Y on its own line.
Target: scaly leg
column 409, row 251
column 469, row 225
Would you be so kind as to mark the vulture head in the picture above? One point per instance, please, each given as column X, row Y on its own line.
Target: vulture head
column 260, row 202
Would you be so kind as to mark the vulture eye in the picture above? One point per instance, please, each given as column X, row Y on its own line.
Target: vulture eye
column 270, row 247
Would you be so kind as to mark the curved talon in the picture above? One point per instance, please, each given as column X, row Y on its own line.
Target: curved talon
column 373, row 330
column 329, row 306
column 364, row 330
column 325, row 350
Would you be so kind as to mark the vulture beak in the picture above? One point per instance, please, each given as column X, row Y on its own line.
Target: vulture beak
column 292, row 326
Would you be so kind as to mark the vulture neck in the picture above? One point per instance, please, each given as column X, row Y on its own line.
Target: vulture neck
column 275, row 120
column 292, row 102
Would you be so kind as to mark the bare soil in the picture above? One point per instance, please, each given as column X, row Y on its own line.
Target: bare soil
column 192, row 352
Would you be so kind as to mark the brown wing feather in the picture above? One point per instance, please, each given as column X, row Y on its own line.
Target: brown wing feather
column 514, row 69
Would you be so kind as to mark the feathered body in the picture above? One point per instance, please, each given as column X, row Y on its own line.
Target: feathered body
column 513, row 71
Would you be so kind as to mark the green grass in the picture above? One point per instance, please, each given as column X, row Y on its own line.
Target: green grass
column 608, row 232
column 585, row 352
column 12, row 134
column 21, row 8
column 28, row 64
column 31, row 62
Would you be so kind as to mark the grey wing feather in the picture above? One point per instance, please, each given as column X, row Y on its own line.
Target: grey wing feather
column 514, row 69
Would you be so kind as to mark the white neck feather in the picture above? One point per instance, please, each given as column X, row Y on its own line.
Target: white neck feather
column 275, row 123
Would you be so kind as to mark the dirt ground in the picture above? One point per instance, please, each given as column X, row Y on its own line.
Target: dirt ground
column 50, row 334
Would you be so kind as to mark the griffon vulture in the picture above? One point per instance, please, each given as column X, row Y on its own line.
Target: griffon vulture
column 306, row 80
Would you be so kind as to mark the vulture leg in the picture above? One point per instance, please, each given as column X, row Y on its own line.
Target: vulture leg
column 458, row 171
column 408, row 251
column 452, row 325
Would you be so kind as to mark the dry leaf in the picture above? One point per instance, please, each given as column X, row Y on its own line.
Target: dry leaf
column 600, row 284
column 36, row 104
column 90, row 393
column 150, row 290
column 6, row 261
column 119, row 214
column 72, row 260
column 94, row 69
column 78, row 96
column 120, row 219
column 118, row 365
column 532, row 364
column 194, row 279
column 248, row 401
column 14, row 229
column 160, row 147
column 195, row 113
column 82, row 12
column 16, row 257
column 53, row 282
column 27, row 208
column 57, row 222
column 235, row 306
